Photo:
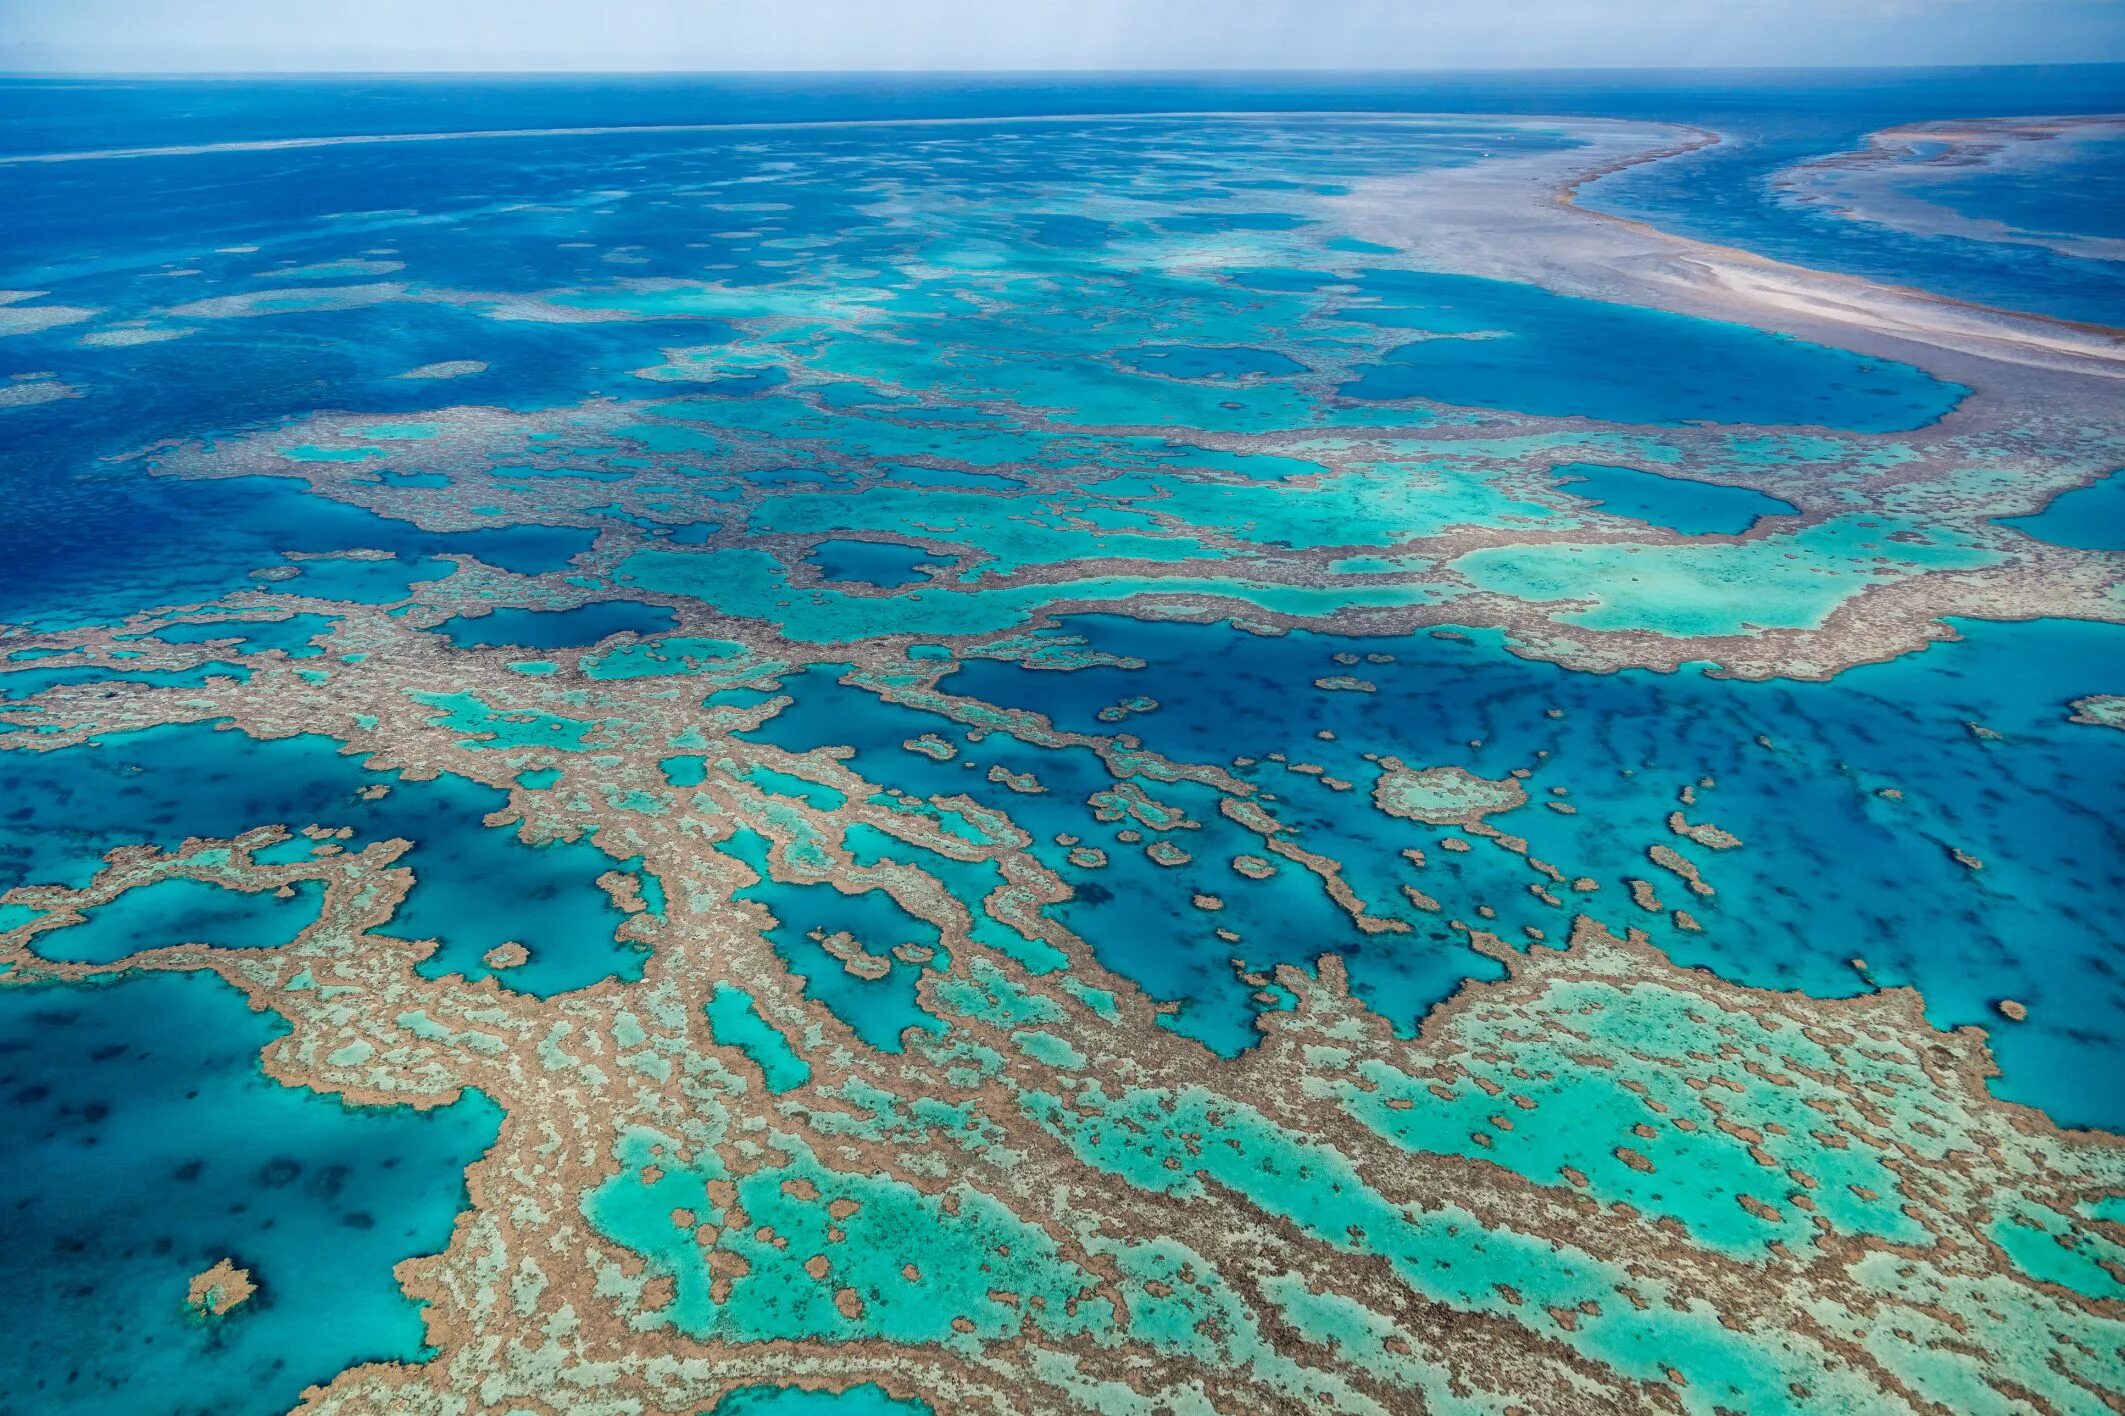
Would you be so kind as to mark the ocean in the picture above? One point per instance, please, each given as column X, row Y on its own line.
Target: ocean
column 1019, row 742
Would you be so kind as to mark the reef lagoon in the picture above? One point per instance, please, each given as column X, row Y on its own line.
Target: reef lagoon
column 1149, row 744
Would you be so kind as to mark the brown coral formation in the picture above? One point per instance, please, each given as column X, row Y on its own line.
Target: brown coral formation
column 219, row 1290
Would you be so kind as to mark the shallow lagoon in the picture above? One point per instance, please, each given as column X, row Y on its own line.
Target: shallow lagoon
column 557, row 629
column 1674, row 503
column 2091, row 518
column 145, row 1145
column 477, row 886
column 185, row 912
column 879, row 563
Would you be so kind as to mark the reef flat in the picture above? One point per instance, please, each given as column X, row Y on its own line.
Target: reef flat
column 1187, row 763
column 1921, row 175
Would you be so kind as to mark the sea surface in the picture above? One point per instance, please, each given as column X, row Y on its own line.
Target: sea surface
column 950, row 722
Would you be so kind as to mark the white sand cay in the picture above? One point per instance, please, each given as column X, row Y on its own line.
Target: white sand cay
column 1517, row 218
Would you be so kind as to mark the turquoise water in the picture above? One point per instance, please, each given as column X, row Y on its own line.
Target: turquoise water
column 1808, row 892
column 869, row 1399
column 145, row 1145
column 879, row 1009
column 185, row 912
column 735, row 1019
column 24, row 683
column 1187, row 361
column 1098, row 649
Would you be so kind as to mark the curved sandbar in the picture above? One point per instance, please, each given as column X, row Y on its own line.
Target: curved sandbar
column 1453, row 219
column 1861, row 184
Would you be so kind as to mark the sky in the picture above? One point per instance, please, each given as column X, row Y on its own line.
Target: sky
column 208, row 36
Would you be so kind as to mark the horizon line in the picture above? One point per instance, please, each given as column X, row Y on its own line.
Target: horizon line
column 1031, row 72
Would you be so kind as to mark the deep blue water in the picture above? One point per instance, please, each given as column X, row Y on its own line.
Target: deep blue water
column 1772, row 117
column 2090, row 518
column 91, row 537
column 877, row 563
column 1830, row 869
column 476, row 886
column 2079, row 191
column 75, row 114
column 1621, row 364
column 1674, row 503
